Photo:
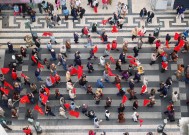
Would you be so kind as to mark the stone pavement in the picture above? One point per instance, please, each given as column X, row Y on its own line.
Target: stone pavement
column 15, row 30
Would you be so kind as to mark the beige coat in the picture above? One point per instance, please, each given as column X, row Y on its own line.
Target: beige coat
column 68, row 76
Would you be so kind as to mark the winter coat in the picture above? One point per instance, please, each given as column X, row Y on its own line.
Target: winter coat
column 63, row 49
column 69, row 86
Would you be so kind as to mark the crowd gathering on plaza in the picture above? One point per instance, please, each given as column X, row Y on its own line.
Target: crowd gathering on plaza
column 131, row 76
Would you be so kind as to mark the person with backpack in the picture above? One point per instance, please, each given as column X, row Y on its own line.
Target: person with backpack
column 76, row 37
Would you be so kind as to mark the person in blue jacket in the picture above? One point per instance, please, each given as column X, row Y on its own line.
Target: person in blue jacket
column 66, row 13
column 99, row 83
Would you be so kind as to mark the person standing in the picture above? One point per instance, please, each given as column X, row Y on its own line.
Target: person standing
column 10, row 47
column 66, row 13
column 174, row 96
column 143, row 13
column 150, row 16
column 81, row 12
column 74, row 13
column 63, row 50
column 181, row 11
column 76, row 37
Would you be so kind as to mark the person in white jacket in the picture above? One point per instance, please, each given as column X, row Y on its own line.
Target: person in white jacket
column 102, row 61
column 62, row 112
column 174, row 96
column 72, row 95
column 97, row 122
column 63, row 50
column 69, row 86
column 135, row 116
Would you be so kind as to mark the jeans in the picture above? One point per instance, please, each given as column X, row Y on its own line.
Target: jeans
column 39, row 78
column 64, row 65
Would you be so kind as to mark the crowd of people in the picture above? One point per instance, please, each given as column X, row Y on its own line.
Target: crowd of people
column 131, row 76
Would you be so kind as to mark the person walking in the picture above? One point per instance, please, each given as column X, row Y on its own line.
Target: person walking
column 99, row 83
column 76, row 37
column 37, row 74
column 135, row 105
column 97, row 122
column 53, row 55
column 118, row 65
column 89, row 42
column 134, row 33
column 92, row 54
column 107, row 115
column 136, row 51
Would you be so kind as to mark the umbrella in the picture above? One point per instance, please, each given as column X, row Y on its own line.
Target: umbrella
column 45, row 34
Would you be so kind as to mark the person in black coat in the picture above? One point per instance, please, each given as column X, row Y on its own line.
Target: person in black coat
column 168, row 37
column 150, row 16
column 74, row 14
column 10, row 47
column 121, row 108
column 137, row 77
column 122, row 57
column 151, row 39
column 81, row 12
column 76, row 37
column 143, row 13
column 136, row 51
column 77, row 58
